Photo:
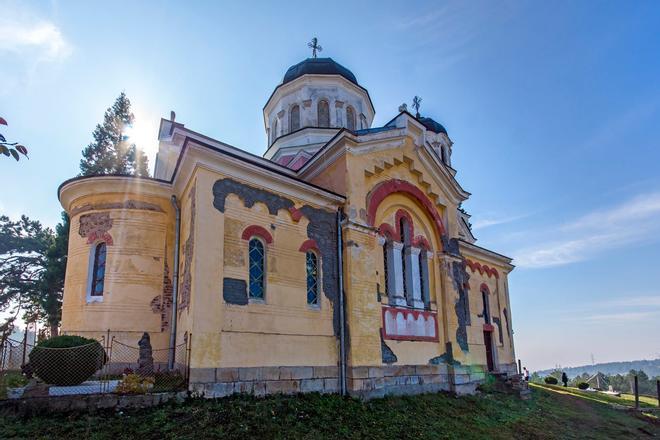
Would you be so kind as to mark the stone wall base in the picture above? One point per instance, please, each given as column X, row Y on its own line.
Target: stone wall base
column 362, row 382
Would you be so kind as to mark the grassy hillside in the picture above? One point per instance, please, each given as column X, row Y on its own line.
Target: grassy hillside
column 650, row 367
column 549, row 414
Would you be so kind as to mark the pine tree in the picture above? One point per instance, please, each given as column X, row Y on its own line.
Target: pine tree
column 111, row 153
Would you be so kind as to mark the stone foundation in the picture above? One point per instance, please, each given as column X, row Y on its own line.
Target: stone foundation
column 362, row 382
column 221, row 382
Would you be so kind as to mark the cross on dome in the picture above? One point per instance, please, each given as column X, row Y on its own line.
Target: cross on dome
column 314, row 45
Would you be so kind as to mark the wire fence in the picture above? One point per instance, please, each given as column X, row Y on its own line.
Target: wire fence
column 104, row 365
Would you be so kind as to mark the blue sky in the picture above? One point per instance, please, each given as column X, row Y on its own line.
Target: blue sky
column 553, row 107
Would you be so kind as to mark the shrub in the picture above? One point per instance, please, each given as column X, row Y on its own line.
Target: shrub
column 134, row 384
column 67, row 360
column 583, row 385
column 550, row 380
column 168, row 381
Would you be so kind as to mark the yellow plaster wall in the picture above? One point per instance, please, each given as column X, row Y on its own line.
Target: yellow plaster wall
column 134, row 270
column 284, row 330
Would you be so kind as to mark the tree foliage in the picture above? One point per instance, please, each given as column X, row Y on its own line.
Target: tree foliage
column 32, row 266
column 11, row 149
column 111, row 152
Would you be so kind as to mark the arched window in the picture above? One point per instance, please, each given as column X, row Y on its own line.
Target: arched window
column 98, row 270
column 323, row 111
column 294, row 118
column 405, row 262
column 257, row 270
column 312, row 268
column 350, row 118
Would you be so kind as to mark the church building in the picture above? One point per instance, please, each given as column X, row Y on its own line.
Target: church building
column 339, row 261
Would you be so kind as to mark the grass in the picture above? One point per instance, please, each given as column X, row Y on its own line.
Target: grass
column 549, row 414
column 10, row 379
column 625, row 399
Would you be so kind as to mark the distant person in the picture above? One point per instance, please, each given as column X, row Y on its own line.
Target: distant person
column 526, row 374
column 564, row 379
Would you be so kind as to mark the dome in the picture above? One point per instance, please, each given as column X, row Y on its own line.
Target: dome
column 432, row 125
column 318, row 66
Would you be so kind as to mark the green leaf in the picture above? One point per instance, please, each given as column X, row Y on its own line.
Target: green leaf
column 21, row 149
column 4, row 150
column 2, row 138
column 14, row 153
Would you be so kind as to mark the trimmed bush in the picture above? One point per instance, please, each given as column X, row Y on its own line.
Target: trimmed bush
column 67, row 360
column 550, row 380
column 583, row 385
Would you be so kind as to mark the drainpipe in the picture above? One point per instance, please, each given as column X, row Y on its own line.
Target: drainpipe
column 175, row 283
column 342, row 317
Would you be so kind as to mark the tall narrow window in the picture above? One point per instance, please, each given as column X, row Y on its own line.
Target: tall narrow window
column 323, row 111
column 312, row 267
column 484, row 297
column 350, row 118
column 257, row 269
column 385, row 270
column 294, row 118
column 98, row 271
column 363, row 122
column 274, row 131
column 405, row 262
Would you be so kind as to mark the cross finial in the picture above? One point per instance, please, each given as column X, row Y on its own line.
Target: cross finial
column 417, row 102
column 314, row 45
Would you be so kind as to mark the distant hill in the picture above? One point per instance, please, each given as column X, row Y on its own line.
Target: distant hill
column 651, row 368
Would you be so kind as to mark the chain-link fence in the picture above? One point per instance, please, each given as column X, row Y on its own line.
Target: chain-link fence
column 103, row 365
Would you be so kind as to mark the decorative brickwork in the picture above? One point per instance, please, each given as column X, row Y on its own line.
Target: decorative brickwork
column 482, row 269
column 95, row 227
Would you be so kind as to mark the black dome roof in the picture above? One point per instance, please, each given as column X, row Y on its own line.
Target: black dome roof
column 318, row 66
column 432, row 125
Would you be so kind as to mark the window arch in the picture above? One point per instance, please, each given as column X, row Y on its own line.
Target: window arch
column 404, row 227
column 312, row 271
column 256, row 268
column 98, row 270
column 350, row 118
column 294, row 118
column 323, row 113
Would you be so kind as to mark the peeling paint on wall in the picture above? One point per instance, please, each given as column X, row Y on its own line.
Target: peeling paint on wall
column 462, row 307
column 234, row 291
column 188, row 248
column 95, row 226
column 322, row 228
column 387, row 354
column 163, row 303
column 249, row 195
column 126, row 204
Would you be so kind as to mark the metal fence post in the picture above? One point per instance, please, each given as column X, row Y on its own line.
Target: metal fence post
column 636, row 392
column 657, row 386
column 519, row 367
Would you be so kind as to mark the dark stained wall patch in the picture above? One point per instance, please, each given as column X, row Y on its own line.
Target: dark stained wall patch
column 386, row 352
column 462, row 307
column 234, row 291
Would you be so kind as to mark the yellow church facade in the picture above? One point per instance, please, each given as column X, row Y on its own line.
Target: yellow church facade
column 339, row 261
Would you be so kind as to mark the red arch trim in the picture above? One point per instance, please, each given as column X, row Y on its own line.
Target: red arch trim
column 384, row 189
column 401, row 214
column 95, row 236
column 309, row 245
column 484, row 288
column 422, row 242
column 388, row 231
column 258, row 231
column 482, row 268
